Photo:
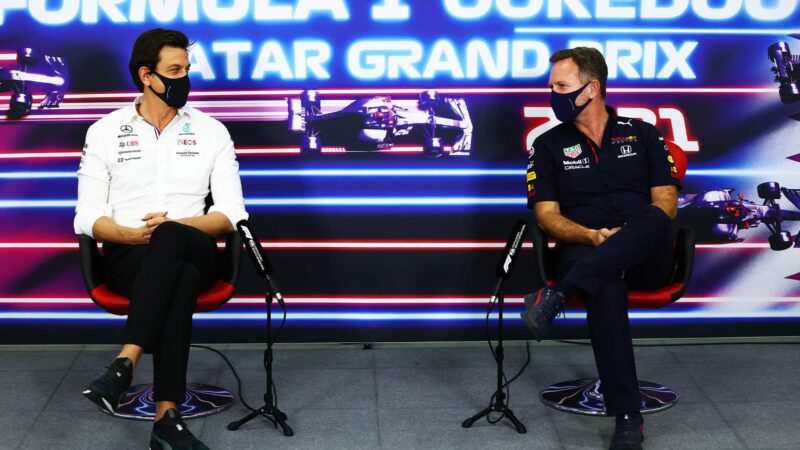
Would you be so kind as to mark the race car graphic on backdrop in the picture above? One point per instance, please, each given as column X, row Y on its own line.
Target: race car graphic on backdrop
column 717, row 216
column 51, row 75
column 440, row 124
column 786, row 68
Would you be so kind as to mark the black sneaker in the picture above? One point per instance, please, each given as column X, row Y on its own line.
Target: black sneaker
column 170, row 433
column 629, row 432
column 107, row 390
column 541, row 308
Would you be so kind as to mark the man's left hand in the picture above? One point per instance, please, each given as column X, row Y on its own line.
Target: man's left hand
column 152, row 220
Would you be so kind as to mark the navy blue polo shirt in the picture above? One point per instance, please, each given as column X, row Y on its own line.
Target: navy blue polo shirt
column 605, row 186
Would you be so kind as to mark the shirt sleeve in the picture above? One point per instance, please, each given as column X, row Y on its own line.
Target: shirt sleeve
column 93, row 184
column 661, row 166
column 541, row 175
column 226, row 186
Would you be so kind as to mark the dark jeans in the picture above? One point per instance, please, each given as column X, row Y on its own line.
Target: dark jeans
column 644, row 251
column 163, row 280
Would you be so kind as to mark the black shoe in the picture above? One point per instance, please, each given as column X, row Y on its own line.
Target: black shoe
column 541, row 308
column 629, row 432
column 170, row 433
column 107, row 390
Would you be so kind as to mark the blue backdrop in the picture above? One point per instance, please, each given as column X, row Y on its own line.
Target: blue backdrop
column 381, row 242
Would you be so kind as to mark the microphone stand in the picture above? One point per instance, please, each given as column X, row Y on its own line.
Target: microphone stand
column 499, row 396
column 270, row 409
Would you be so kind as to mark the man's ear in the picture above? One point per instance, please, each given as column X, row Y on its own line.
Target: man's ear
column 144, row 75
column 594, row 88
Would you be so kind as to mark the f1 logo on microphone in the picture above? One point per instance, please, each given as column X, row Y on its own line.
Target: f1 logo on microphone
column 247, row 232
column 509, row 258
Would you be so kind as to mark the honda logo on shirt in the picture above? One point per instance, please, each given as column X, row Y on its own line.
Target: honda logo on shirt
column 625, row 151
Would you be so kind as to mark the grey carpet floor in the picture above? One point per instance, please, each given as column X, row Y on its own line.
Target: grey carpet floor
column 415, row 396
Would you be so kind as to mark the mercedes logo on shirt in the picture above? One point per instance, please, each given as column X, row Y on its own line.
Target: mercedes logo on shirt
column 126, row 128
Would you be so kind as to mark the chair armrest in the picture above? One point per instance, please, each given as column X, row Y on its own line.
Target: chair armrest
column 543, row 255
column 91, row 262
column 684, row 260
column 230, row 258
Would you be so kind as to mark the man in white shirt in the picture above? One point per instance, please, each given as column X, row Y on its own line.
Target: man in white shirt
column 143, row 181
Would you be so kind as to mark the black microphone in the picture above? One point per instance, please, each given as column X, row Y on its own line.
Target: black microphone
column 259, row 258
column 512, row 250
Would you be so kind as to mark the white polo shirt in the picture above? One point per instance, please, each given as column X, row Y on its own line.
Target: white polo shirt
column 129, row 169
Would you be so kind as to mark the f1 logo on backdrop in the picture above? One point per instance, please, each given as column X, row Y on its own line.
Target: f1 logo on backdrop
column 673, row 118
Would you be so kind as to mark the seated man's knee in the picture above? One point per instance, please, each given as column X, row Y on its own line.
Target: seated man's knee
column 166, row 231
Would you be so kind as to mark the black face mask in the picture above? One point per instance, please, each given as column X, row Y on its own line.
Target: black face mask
column 564, row 104
column 176, row 90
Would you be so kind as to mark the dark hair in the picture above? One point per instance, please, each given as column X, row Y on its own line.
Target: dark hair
column 147, row 48
column 591, row 64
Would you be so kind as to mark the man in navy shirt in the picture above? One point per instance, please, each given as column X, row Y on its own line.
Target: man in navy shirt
column 606, row 188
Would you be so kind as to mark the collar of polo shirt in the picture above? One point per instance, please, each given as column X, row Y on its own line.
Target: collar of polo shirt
column 134, row 113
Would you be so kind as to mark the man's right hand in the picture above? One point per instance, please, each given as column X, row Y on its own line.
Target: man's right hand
column 549, row 218
column 136, row 236
column 600, row 236
column 141, row 235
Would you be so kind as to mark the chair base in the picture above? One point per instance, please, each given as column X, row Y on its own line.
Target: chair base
column 201, row 400
column 584, row 397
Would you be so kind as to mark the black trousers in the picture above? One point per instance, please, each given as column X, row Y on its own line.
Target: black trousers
column 639, row 256
column 163, row 280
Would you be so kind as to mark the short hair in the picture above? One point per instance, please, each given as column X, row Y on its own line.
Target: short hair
column 591, row 64
column 147, row 49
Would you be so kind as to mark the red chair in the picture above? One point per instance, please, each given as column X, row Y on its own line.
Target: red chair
column 583, row 396
column 201, row 399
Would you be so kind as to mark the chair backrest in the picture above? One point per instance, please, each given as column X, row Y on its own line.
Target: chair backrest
column 678, row 158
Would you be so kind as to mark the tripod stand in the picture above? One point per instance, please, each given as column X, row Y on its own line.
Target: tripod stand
column 270, row 409
column 498, row 405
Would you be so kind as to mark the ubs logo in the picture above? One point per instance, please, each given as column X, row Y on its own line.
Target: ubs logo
column 123, row 144
column 126, row 129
